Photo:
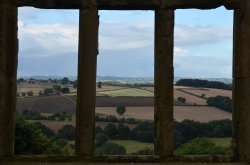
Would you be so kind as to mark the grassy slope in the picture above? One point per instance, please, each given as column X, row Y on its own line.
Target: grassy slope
column 132, row 145
column 224, row 142
column 134, row 92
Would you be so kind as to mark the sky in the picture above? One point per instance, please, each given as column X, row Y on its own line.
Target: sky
column 48, row 43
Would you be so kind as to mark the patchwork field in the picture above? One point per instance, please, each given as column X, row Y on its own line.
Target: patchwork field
column 141, row 108
column 35, row 88
column 190, row 99
column 38, row 86
column 208, row 92
column 193, row 95
column 139, row 103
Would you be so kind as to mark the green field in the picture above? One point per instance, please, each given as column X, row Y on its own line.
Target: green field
column 132, row 145
column 133, row 92
column 223, row 142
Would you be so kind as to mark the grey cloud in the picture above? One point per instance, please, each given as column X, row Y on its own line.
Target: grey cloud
column 61, row 65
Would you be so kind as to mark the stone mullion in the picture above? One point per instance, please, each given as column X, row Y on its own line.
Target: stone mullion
column 8, row 72
column 241, row 81
column 164, row 45
column 86, row 92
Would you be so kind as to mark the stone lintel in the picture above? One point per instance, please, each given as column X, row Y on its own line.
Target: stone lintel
column 130, row 4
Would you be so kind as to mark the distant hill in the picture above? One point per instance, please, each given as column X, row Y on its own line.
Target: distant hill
column 128, row 80
column 41, row 77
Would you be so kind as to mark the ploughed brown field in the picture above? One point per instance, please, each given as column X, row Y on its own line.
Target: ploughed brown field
column 197, row 113
column 60, row 103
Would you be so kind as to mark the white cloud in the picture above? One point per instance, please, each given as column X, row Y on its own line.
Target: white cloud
column 200, row 35
column 53, row 38
column 179, row 52
column 123, row 36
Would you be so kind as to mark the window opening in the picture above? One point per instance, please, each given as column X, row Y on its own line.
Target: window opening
column 125, row 89
column 46, row 85
column 203, row 82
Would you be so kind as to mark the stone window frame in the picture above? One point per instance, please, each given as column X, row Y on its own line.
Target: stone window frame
column 87, row 52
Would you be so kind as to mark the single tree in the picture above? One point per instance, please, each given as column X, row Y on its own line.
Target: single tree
column 57, row 87
column 23, row 94
column 65, row 90
column 121, row 109
column 48, row 91
column 40, row 93
column 30, row 93
column 20, row 80
column 181, row 99
column 65, row 80
column 99, row 84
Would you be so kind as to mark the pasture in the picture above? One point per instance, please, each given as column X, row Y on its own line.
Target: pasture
column 223, row 142
column 131, row 92
column 133, row 146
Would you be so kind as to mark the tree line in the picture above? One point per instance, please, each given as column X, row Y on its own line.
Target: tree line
column 221, row 102
column 203, row 84
column 183, row 131
column 42, row 140
column 34, row 115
